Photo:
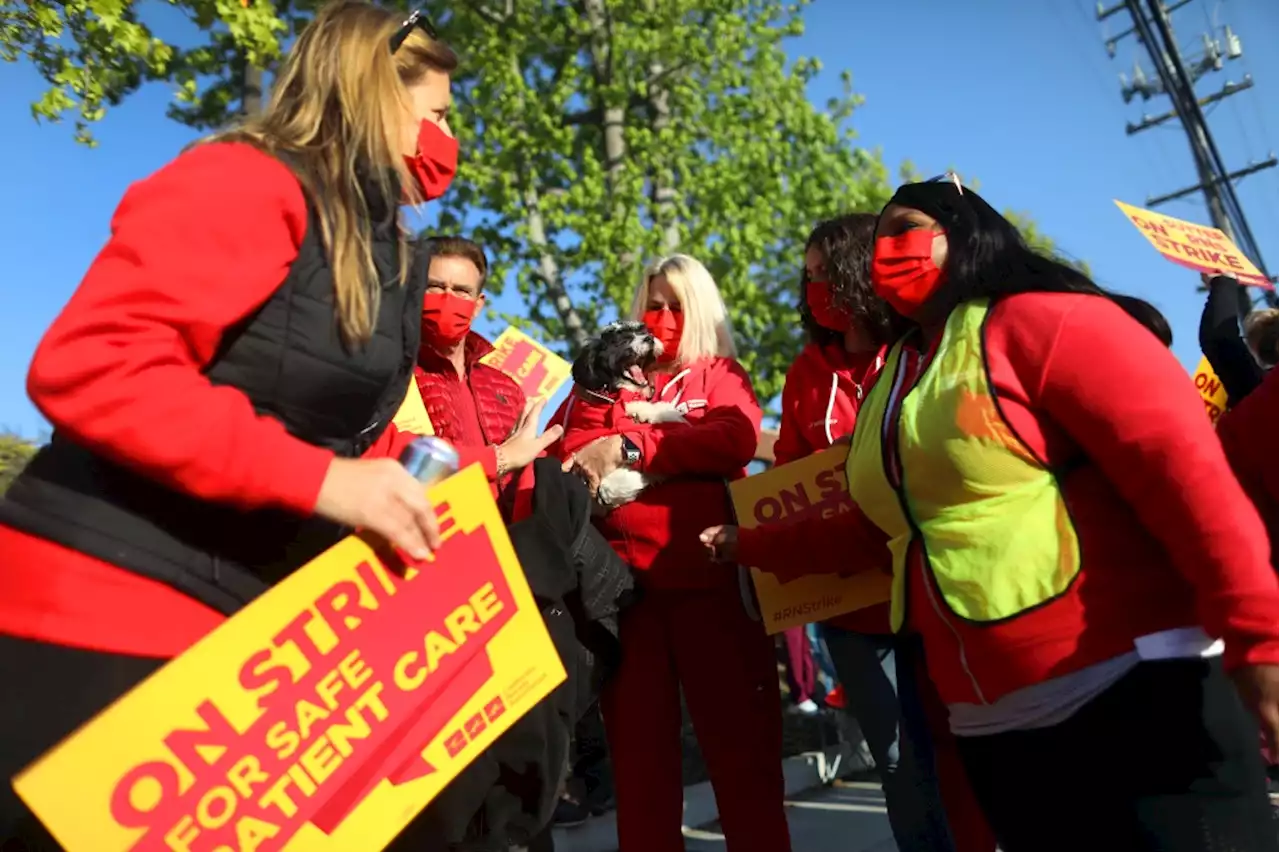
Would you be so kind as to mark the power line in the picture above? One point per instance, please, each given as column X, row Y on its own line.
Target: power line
column 1176, row 81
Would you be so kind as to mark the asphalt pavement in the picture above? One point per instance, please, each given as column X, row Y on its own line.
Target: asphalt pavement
column 846, row 817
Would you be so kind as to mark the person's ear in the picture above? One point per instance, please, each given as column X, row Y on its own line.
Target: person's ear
column 479, row 306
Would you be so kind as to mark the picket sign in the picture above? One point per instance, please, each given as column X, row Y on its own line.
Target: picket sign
column 323, row 716
column 814, row 485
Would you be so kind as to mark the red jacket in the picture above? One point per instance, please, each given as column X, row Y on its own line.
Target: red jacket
column 474, row 415
column 1250, row 434
column 1167, row 537
column 194, row 249
column 820, row 401
column 658, row 533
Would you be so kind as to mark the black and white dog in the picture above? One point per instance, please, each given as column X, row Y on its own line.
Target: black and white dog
column 614, row 366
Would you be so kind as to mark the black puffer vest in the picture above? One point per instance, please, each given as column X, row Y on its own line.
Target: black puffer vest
column 289, row 359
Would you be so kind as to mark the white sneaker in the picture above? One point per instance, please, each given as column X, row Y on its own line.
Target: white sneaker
column 808, row 707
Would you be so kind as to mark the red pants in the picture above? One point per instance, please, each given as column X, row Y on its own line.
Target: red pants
column 703, row 643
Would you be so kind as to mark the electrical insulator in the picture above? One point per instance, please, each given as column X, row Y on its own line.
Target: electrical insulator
column 1234, row 49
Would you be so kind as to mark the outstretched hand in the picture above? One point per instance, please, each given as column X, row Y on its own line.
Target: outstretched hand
column 525, row 444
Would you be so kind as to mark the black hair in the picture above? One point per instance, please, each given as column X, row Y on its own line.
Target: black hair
column 987, row 256
column 846, row 243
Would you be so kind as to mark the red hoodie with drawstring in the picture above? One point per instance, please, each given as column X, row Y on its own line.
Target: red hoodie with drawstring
column 820, row 402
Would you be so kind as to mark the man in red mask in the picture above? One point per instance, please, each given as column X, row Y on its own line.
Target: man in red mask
column 471, row 405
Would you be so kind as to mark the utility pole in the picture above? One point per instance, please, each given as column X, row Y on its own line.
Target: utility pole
column 1176, row 81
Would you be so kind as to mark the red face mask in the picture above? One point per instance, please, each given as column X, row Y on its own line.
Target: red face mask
column 903, row 272
column 446, row 318
column 817, row 295
column 436, row 162
column 667, row 327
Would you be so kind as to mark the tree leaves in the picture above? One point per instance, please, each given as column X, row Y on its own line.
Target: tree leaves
column 596, row 136
column 94, row 53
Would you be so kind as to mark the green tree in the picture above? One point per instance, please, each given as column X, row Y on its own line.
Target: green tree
column 597, row 134
column 1031, row 233
column 15, row 452
column 94, row 53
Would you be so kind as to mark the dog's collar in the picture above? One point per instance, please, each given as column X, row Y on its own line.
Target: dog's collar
column 592, row 396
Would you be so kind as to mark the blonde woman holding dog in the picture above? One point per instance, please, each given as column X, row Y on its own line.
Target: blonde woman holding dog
column 690, row 632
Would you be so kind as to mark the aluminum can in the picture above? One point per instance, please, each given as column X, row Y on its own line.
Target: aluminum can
column 430, row 459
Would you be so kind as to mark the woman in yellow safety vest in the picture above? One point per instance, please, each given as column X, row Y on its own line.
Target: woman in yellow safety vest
column 1065, row 535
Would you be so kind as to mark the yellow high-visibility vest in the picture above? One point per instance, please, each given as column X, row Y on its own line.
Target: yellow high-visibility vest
column 938, row 464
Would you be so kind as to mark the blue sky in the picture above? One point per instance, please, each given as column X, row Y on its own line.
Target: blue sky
column 1018, row 93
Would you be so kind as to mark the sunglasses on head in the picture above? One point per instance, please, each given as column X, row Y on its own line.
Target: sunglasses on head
column 416, row 20
column 948, row 177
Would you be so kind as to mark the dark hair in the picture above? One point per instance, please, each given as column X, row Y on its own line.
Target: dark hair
column 450, row 246
column 987, row 256
column 845, row 244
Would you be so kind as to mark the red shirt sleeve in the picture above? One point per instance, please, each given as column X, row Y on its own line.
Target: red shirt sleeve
column 848, row 543
column 194, row 249
column 722, row 443
column 791, row 444
column 1124, row 399
column 1249, row 434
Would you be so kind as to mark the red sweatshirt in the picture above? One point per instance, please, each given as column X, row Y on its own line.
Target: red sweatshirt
column 1250, row 434
column 1167, row 537
column 820, row 401
column 658, row 533
column 195, row 248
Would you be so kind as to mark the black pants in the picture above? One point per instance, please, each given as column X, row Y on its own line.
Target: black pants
column 1165, row 760
column 49, row 691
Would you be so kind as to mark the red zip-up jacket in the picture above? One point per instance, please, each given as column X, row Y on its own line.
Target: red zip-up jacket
column 820, row 401
column 1167, row 536
column 658, row 533
column 475, row 414
column 194, row 249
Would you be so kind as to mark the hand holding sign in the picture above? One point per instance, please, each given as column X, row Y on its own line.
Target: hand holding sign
column 721, row 543
column 322, row 716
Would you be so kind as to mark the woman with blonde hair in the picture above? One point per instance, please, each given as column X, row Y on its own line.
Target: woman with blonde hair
column 690, row 632
column 221, row 383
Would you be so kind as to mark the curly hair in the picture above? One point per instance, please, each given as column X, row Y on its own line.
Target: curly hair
column 846, row 244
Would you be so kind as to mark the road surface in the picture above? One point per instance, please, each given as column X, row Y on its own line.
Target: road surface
column 848, row 817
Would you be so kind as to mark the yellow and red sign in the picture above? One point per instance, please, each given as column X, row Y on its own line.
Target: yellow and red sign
column 323, row 716
column 412, row 416
column 811, row 486
column 539, row 371
column 1194, row 246
column 1211, row 389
